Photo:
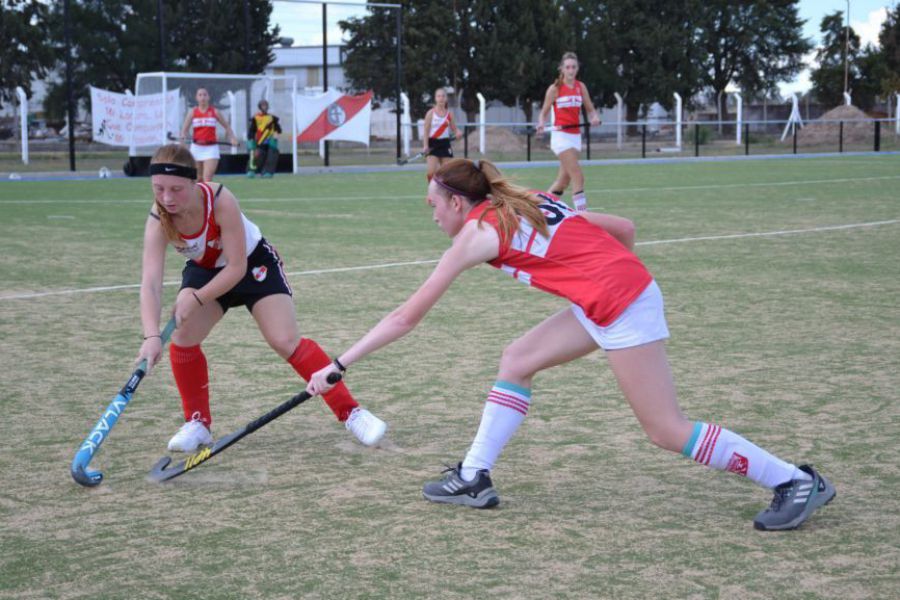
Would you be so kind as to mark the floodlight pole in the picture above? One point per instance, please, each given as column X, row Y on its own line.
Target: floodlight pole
column 325, row 69
column 399, row 19
column 70, row 99
column 162, row 35
column 847, row 50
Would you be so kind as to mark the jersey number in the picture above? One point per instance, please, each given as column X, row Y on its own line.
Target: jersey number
column 557, row 210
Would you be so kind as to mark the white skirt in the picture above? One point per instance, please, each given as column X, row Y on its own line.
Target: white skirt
column 201, row 153
column 644, row 321
column 560, row 141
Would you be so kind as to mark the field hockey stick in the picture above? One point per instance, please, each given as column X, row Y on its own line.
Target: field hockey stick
column 419, row 156
column 160, row 473
column 568, row 127
column 108, row 419
column 171, row 137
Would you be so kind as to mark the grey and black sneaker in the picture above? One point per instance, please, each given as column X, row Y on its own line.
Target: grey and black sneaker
column 452, row 489
column 795, row 501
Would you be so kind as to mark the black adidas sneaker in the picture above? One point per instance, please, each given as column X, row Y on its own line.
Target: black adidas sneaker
column 795, row 501
column 452, row 489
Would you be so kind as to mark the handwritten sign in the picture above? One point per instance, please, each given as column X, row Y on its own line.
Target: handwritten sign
column 120, row 119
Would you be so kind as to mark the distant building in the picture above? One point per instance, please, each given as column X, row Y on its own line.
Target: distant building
column 305, row 63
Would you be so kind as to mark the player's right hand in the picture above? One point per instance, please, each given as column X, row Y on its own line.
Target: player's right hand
column 151, row 350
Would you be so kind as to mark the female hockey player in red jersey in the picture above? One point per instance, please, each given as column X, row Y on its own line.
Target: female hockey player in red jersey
column 616, row 305
column 202, row 120
column 566, row 97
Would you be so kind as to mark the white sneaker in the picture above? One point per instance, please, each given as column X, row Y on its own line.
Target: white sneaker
column 191, row 435
column 367, row 428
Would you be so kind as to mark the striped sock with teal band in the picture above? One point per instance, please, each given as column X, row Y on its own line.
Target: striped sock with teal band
column 505, row 409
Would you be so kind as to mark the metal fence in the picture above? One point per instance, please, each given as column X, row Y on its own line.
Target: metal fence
column 503, row 142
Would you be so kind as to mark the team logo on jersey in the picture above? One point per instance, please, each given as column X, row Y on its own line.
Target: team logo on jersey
column 259, row 273
column 336, row 115
column 738, row 464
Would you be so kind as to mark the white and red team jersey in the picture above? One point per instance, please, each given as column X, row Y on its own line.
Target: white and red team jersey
column 577, row 260
column 204, row 124
column 567, row 108
column 440, row 126
column 205, row 246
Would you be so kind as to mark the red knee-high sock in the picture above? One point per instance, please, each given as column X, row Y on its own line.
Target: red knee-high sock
column 308, row 358
column 192, row 379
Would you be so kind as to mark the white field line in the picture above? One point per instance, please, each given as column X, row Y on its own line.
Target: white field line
column 131, row 286
column 598, row 191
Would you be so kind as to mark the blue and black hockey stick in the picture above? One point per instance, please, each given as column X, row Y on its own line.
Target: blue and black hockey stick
column 108, row 419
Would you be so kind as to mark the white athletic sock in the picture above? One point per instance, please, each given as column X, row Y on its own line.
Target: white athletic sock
column 725, row 450
column 579, row 200
column 504, row 411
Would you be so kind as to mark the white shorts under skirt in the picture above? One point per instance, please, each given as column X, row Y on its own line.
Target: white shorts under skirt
column 644, row 321
column 560, row 141
column 201, row 153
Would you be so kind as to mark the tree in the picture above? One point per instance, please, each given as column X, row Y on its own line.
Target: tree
column 643, row 49
column 507, row 50
column 116, row 39
column 428, row 59
column 828, row 77
column 889, row 40
column 754, row 44
column 24, row 53
column 208, row 36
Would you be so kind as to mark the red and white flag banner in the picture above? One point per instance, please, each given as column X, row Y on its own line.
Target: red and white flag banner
column 334, row 116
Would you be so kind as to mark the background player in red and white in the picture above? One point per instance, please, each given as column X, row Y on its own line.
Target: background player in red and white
column 229, row 264
column 440, row 129
column 565, row 97
column 616, row 305
column 204, row 146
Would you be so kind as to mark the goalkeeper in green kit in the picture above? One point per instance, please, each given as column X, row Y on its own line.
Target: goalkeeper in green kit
column 262, row 143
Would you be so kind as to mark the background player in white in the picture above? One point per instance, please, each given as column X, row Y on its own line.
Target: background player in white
column 202, row 120
column 616, row 305
column 439, row 127
column 565, row 97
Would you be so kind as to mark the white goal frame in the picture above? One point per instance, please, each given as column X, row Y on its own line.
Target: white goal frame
column 166, row 76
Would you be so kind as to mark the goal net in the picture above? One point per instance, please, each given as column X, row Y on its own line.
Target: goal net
column 235, row 97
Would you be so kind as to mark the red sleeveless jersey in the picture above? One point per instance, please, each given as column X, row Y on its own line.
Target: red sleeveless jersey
column 567, row 108
column 205, row 246
column 204, row 124
column 577, row 261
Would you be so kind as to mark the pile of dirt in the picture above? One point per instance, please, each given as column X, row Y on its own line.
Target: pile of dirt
column 826, row 129
column 500, row 139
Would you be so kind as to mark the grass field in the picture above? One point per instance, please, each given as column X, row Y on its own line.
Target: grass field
column 782, row 283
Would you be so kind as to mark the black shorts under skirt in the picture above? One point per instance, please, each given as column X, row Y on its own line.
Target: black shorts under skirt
column 440, row 148
column 264, row 277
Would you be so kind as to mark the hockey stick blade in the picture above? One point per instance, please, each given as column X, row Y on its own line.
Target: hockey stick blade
column 411, row 159
column 160, row 473
column 80, row 472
